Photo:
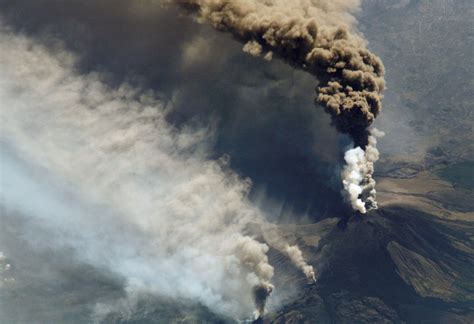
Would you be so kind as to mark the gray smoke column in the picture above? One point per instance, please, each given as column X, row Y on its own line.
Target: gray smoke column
column 317, row 36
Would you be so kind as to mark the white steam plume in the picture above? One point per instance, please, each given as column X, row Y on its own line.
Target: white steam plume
column 124, row 189
column 357, row 174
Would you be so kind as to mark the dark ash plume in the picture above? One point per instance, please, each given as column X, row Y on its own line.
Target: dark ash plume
column 316, row 36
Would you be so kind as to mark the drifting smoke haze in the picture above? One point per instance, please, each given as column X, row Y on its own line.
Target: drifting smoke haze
column 318, row 37
column 126, row 191
column 273, row 103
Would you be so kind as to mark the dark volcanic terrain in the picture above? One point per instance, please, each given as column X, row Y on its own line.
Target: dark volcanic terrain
column 402, row 263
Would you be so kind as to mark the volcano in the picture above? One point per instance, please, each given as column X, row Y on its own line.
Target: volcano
column 394, row 265
column 152, row 171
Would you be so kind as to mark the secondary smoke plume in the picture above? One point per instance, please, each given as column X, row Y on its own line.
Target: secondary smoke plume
column 316, row 36
column 296, row 256
column 253, row 256
column 272, row 235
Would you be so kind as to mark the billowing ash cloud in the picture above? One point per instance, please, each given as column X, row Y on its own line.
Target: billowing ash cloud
column 314, row 36
column 101, row 172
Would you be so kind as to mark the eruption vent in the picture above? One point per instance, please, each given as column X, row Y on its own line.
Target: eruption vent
column 316, row 36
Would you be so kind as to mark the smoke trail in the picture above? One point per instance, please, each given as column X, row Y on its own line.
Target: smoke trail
column 316, row 36
column 273, row 237
column 357, row 179
column 296, row 256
